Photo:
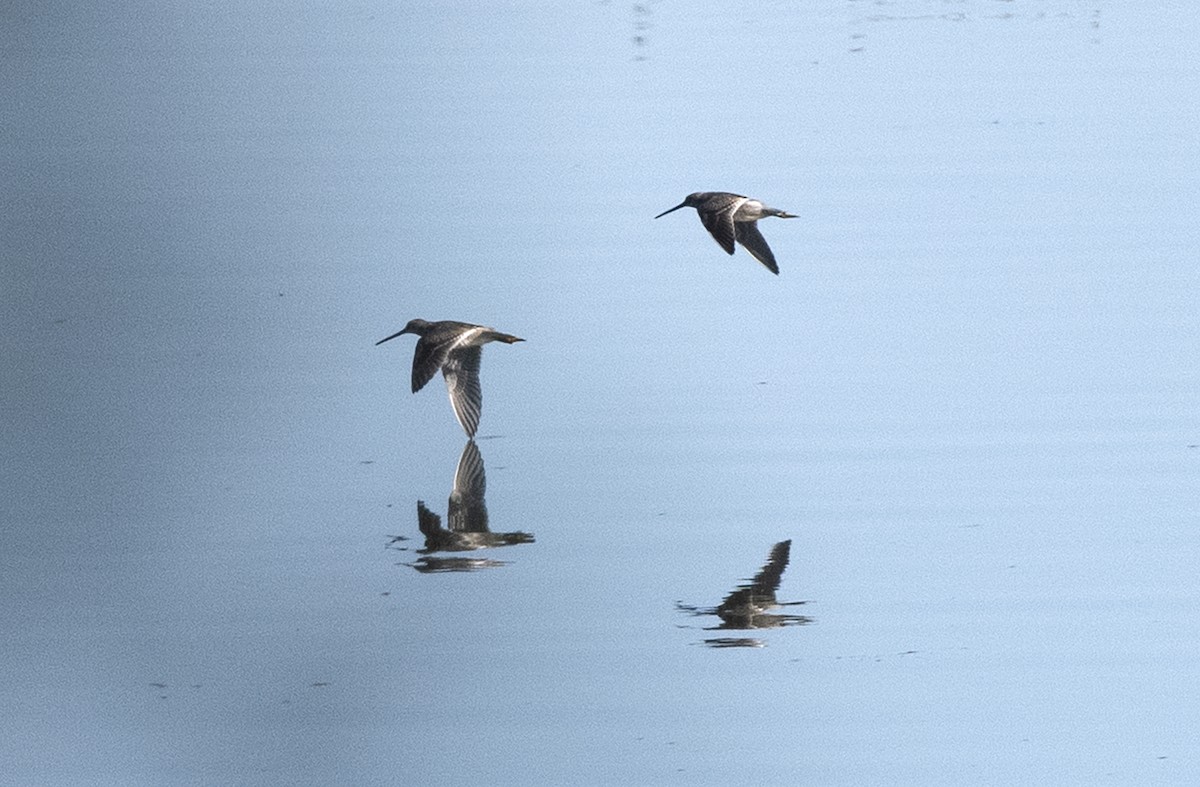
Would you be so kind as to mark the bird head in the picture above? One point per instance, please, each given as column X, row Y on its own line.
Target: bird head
column 691, row 201
column 414, row 326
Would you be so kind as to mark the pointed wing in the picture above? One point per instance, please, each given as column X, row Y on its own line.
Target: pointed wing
column 461, row 371
column 767, row 581
column 717, row 217
column 427, row 359
column 748, row 235
column 428, row 522
column 467, row 509
column 759, row 594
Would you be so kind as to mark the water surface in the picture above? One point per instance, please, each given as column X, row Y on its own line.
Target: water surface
column 968, row 400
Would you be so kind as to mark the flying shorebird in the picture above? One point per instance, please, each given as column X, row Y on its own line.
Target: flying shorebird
column 455, row 348
column 731, row 217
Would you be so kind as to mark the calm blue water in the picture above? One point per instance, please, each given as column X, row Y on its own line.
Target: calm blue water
column 969, row 399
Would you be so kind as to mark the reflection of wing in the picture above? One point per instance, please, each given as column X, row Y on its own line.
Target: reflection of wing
column 748, row 235
column 717, row 217
column 429, row 523
column 748, row 601
column 437, row 538
column 461, row 371
column 467, row 512
column 469, row 477
column 771, row 575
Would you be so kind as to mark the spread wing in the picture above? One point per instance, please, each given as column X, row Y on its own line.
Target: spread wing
column 748, row 235
column 717, row 217
column 427, row 359
column 461, row 370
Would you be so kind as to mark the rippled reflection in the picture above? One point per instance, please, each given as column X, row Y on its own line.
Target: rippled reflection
column 441, row 565
column 748, row 606
column 467, row 517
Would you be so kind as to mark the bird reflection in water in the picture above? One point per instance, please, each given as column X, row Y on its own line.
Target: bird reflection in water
column 749, row 605
column 468, row 522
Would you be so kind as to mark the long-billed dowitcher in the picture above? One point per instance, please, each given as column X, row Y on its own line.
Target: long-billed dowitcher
column 731, row 217
column 455, row 348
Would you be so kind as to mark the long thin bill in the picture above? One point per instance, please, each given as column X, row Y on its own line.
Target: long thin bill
column 393, row 336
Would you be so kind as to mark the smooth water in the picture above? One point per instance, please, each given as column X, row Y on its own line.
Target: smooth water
column 968, row 401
